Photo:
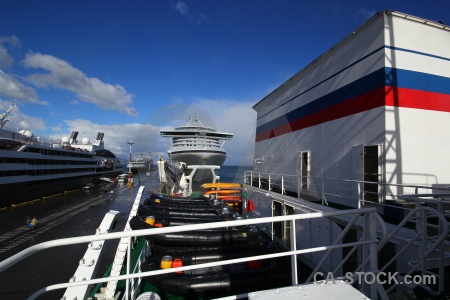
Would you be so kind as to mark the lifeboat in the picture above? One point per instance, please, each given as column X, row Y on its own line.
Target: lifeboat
column 221, row 185
column 222, row 192
column 231, row 196
column 228, row 198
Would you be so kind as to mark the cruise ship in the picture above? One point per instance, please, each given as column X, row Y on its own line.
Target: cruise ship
column 196, row 144
column 30, row 169
column 350, row 178
column 141, row 164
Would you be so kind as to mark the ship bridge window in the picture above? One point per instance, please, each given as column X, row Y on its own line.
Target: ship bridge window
column 7, row 144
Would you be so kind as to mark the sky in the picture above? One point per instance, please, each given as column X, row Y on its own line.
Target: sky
column 129, row 68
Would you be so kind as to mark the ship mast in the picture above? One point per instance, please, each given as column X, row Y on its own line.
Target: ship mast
column 129, row 169
column 4, row 117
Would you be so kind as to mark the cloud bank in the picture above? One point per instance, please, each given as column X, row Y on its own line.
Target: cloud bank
column 60, row 74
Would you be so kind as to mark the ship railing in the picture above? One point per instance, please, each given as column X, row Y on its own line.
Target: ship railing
column 350, row 193
column 430, row 239
column 424, row 212
column 369, row 243
column 429, row 243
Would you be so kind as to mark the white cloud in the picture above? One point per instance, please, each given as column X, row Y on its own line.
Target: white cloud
column 236, row 117
column 12, row 40
column 6, row 61
column 365, row 14
column 182, row 8
column 12, row 88
column 116, row 136
column 19, row 121
column 60, row 74
column 190, row 14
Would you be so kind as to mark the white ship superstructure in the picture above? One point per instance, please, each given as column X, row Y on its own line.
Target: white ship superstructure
column 32, row 169
column 141, row 164
column 362, row 126
column 375, row 107
column 196, row 144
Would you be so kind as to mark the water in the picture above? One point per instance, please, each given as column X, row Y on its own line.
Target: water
column 233, row 173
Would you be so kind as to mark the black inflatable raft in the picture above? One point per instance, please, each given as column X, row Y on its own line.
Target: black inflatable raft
column 208, row 237
column 176, row 203
column 177, row 198
column 213, row 253
column 217, row 281
column 147, row 210
column 144, row 222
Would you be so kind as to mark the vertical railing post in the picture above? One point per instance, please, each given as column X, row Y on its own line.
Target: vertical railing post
column 441, row 253
column 127, row 282
column 359, row 194
column 365, row 288
column 373, row 253
column 424, row 242
column 420, row 220
column 322, row 194
column 282, row 185
column 269, row 183
column 293, row 257
column 259, row 180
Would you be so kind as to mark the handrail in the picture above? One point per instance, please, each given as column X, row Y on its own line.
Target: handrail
column 368, row 240
column 421, row 227
column 342, row 180
column 280, row 181
column 427, row 245
column 145, row 232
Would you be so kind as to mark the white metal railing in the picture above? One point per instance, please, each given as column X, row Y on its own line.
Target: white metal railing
column 369, row 244
column 422, row 224
column 341, row 190
column 417, row 214
column 89, row 263
column 123, row 250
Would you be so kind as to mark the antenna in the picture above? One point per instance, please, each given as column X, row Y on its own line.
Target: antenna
column 4, row 116
column 130, row 143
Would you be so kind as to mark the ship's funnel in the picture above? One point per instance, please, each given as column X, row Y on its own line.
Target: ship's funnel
column 100, row 136
column 73, row 137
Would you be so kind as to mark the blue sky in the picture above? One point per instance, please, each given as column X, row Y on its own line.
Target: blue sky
column 128, row 68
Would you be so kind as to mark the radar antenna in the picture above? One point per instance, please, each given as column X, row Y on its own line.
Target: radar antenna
column 4, row 116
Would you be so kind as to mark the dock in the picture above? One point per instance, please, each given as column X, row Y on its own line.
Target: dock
column 74, row 214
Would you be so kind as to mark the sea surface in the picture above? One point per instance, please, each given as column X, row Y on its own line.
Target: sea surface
column 233, row 173
column 227, row 173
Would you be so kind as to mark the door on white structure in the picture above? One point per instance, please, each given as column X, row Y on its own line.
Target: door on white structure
column 372, row 173
column 304, row 170
column 366, row 168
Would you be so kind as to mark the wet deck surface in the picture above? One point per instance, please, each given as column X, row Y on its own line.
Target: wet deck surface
column 77, row 213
